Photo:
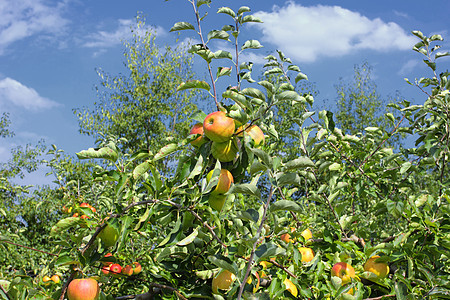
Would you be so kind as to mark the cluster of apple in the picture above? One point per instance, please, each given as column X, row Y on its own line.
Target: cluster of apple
column 116, row 270
column 223, row 131
column 68, row 210
column 47, row 280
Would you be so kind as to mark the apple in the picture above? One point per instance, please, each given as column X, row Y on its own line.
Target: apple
column 307, row 254
column 286, row 237
column 256, row 134
column 56, row 279
column 290, row 287
column 306, row 234
column 137, row 268
column 198, row 129
column 344, row 271
column 109, row 236
column 224, row 183
column 105, row 270
column 127, row 270
column 225, row 151
column 218, row 127
column 46, row 280
column 115, row 269
column 83, row 289
column 380, row 269
column 222, row 281
column 107, row 263
column 216, row 201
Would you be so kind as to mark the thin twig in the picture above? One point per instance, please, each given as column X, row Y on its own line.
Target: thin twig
column 45, row 252
column 258, row 233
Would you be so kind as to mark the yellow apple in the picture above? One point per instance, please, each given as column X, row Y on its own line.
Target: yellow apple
column 306, row 234
column 290, row 287
column 307, row 254
column 344, row 271
column 137, row 268
column 256, row 134
column 225, row 151
column 56, row 279
column 380, row 269
column 224, row 183
column 222, row 281
column 218, row 127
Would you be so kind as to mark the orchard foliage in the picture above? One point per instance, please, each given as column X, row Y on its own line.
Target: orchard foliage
column 358, row 196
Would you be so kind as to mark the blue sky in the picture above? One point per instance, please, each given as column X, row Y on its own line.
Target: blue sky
column 50, row 49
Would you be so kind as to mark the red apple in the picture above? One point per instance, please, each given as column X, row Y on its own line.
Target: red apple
column 344, row 271
column 218, row 127
column 198, row 129
column 224, row 183
column 105, row 270
column 256, row 134
column 127, row 270
column 115, row 269
column 107, row 263
column 137, row 268
column 83, row 289
column 226, row 151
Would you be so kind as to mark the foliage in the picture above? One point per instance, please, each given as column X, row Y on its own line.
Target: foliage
column 359, row 196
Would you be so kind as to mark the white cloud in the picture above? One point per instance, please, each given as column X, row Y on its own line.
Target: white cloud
column 408, row 67
column 107, row 39
column 20, row 19
column 15, row 93
column 308, row 33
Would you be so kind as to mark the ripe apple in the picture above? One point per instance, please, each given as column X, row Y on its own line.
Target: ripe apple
column 224, row 183
column 256, row 134
column 56, row 279
column 307, row 254
column 225, row 151
column 115, row 269
column 105, row 270
column 306, row 234
column 109, row 236
column 137, row 268
column 46, row 280
column 218, row 127
column 380, row 269
column 198, row 129
column 127, row 270
column 83, row 289
column 290, row 287
column 222, row 281
column 107, row 263
column 286, row 237
column 216, row 201
column 344, row 271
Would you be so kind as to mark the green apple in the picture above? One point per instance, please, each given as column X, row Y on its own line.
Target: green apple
column 216, row 201
column 226, row 151
column 109, row 236
column 83, row 289
column 224, row 183
column 218, row 127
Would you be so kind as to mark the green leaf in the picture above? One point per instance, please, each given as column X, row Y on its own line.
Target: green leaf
column 245, row 188
column 300, row 76
column 243, row 9
column 165, row 151
column 286, row 205
column 255, row 93
column 193, row 84
column 65, row 260
column 442, row 54
column 267, row 250
column 218, row 34
column 201, row 2
column 251, row 44
column 290, row 96
column 288, row 179
column 182, row 26
column 299, row 163
column 222, row 54
column 189, row 239
column 223, row 263
column 104, row 152
column 226, row 10
column 223, row 71
column 405, row 167
column 251, row 18
column 141, row 169
column 65, row 224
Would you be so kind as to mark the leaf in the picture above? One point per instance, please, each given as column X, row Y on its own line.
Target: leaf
column 288, row 179
column 64, row 224
column 182, row 26
column 165, row 151
column 405, row 167
column 300, row 76
column 285, row 205
column 226, row 10
column 222, row 54
column 141, row 169
column 290, row 96
column 189, row 239
column 218, row 34
column 223, row 263
column 251, row 18
column 245, row 188
column 442, row 54
column 193, row 84
column 104, row 152
column 255, row 93
column 251, row 44
column 243, row 9
column 299, row 163
column 65, row 260
column 267, row 250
